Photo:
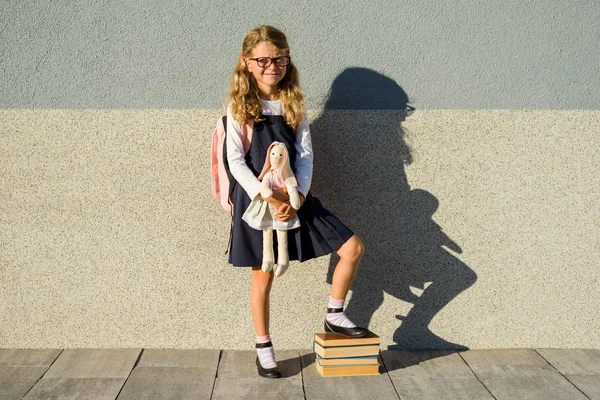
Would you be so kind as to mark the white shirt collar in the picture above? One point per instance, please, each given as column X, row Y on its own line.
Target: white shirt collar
column 272, row 107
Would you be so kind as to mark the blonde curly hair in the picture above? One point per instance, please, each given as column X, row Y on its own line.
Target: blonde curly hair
column 244, row 93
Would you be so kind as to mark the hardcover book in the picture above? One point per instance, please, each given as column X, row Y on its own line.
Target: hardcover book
column 346, row 351
column 335, row 339
column 363, row 360
column 348, row 370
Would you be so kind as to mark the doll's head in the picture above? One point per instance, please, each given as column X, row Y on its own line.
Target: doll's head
column 277, row 156
column 278, row 159
column 245, row 91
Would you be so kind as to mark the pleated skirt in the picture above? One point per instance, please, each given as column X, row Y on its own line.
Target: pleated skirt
column 320, row 233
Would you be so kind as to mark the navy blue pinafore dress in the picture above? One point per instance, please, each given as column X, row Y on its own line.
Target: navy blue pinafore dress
column 320, row 232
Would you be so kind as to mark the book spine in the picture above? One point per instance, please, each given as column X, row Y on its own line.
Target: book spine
column 348, row 370
column 348, row 358
column 352, row 351
column 349, row 364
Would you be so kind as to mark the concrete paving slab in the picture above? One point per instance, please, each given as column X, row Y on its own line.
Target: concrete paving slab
column 588, row 384
column 180, row 358
column 93, row 363
column 416, row 363
column 28, row 357
column 76, row 389
column 16, row 381
column 543, row 386
column 172, row 374
column 432, row 375
column 241, row 364
column 20, row 369
column 177, row 383
column 573, row 362
column 237, row 377
column 519, row 374
column 344, row 387
column 422, row 387
column 581, row 367
column 491, row 360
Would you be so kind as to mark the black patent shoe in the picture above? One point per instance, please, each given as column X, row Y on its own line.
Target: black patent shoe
column 350, row 332
column 266, row 372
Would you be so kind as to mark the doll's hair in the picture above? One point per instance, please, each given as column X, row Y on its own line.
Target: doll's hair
column 244, row 93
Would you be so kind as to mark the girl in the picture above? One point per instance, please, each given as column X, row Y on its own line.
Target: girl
column 265, row 91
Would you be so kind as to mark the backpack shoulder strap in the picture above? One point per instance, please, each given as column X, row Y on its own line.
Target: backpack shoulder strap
column 218, row 172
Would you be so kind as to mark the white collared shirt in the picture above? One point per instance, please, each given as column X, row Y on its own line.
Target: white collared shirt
column 237, row 162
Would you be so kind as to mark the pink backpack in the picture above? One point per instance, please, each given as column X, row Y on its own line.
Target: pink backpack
column 222, row 180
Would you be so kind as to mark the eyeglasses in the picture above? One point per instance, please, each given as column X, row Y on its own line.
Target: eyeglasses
column 265, row 62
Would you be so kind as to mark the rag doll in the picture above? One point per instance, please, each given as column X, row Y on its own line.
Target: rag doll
column 276, row 174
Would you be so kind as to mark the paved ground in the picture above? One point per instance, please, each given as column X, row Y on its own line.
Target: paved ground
column 213, row 374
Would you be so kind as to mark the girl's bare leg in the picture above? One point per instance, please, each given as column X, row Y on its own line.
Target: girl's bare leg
column 259, row 303
column 336, row 320
column 259, row 299
column 350, row 254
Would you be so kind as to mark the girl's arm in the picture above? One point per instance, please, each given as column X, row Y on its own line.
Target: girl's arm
column 304, row 158
column 236, row 158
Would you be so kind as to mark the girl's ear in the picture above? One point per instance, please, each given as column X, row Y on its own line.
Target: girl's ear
column 245, row 61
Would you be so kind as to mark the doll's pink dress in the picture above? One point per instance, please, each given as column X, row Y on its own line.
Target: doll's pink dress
column 260, row 214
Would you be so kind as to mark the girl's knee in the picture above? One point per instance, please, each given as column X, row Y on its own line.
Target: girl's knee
column 261, row 281
column 353, row 249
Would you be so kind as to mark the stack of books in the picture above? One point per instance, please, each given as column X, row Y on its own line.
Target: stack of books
column 338, row 355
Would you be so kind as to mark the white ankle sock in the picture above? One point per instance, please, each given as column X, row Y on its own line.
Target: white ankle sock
column 266, row 355
column 338, row 319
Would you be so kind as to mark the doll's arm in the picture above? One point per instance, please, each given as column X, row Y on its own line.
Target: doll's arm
column 294, row 196
column 267, row 193
column 265, row 190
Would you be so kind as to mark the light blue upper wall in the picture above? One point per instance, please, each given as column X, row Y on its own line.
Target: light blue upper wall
column 179, row 54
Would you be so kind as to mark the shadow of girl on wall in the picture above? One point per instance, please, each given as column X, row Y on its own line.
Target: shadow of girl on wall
column 360, row 158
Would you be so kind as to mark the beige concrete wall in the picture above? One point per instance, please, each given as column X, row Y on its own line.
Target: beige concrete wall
column 109, row 236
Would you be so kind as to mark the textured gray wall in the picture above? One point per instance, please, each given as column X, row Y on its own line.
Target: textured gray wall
column 179, row 54
column 109, row 236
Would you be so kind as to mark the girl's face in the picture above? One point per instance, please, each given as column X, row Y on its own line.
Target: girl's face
column 267, row 77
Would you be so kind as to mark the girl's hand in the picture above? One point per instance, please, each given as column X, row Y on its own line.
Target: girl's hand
column 281, row 195
column 277, row 197
column 285, row 212
column 273, row 201
column 302, row 198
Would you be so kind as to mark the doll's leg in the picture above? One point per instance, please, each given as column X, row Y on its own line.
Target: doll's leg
column 260, row 305
column 336, row 321
column 283, row 259
column 268, row 252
